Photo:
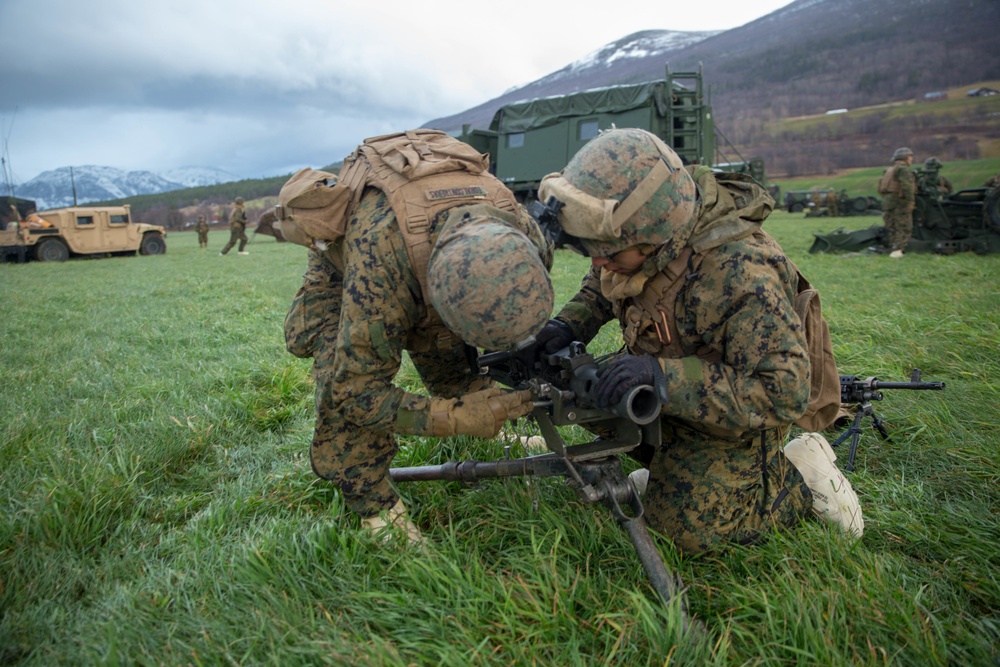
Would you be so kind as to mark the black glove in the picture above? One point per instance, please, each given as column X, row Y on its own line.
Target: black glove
column 554, row 336
column 618, row 377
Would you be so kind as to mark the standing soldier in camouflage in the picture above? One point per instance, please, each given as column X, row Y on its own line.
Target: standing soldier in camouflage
column 832, row 204
column 202, row 228
column 237, row 228
column 464, row 266
column 898, row 188
column 704, row 299
column 936, row 183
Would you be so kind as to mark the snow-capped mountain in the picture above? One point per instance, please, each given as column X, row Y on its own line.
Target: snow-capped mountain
column 195, row 177
column 54, row 189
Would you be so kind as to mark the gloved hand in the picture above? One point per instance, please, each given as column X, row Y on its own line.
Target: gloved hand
column 481, row 413
column 624, row 373
column 554, row 336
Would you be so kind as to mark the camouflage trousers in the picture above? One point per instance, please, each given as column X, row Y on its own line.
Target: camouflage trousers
column 356, row 458
column 236, row 234
column 705, row 492
column 203, row 239
column 898, row 221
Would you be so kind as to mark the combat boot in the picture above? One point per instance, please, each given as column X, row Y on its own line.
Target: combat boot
column 833, row 497
column 386, row 523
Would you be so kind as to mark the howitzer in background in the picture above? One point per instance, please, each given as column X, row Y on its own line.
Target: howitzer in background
column 862, row 392
column 561, row 386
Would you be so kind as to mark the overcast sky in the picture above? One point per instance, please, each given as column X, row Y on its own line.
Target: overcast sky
column 265, row 87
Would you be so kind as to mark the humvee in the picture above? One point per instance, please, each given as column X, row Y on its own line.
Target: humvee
column 57, row 235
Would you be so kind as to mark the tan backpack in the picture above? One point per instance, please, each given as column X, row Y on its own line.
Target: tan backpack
column 824, row 379
column 422, row 172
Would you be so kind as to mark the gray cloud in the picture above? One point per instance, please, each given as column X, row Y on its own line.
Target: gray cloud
column 262, row 87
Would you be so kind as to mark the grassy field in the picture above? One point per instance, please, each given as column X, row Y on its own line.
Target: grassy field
column 158, row 506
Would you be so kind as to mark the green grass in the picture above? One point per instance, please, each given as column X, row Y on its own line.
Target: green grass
column 158, row 506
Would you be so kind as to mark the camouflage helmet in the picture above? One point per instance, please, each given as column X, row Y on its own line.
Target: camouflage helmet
column 623, row 188
column 932, row 163
column 901, row 153
column 238, row 201
column 487, row 280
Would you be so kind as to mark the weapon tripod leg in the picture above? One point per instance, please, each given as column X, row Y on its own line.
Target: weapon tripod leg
column 666, row 584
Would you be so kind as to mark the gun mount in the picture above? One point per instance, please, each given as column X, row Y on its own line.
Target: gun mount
column 561, row 385
column 862, row 392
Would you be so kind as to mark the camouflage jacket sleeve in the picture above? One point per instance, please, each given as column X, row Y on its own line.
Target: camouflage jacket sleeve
column 907, row 183
column 377, row 313
column 739, row 305
column 588, row 310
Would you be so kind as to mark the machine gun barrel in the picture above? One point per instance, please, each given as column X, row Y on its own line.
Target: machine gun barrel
column 595, row 480
column 862, row 392
column 853, row 389
column 562, row 387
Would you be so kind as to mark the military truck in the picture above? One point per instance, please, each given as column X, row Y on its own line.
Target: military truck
column 829, row 203
column 58, row 234
column 527, row 140
column 967, row 220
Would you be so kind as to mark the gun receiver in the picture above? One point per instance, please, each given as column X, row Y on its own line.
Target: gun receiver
column 863, row 392
column 561, row 386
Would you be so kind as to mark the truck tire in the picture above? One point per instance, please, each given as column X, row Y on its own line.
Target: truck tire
column 859, row 205
column 51, row 250
column 152, row 243
column 796, row 207
column 991, row 207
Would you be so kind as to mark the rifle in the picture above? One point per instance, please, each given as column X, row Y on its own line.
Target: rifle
column 561, row 386
column 862, row 392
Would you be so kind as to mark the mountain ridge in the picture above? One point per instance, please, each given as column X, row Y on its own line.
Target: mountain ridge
column 55, row 188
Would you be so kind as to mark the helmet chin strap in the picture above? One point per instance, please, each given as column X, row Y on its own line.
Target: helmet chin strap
column 656, row 177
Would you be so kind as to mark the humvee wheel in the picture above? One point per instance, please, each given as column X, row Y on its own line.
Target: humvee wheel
column 51, row 250
column 152, row 244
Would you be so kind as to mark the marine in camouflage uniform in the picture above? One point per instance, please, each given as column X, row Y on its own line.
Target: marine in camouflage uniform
column 898, row 189
column 740, row 374
column 202, row 228
column 361, row 304
column 237, row 228
column 933, row 181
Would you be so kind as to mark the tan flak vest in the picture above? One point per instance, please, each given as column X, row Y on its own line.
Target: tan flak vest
column 649, row 318
column 889, row 183
column 422, row 173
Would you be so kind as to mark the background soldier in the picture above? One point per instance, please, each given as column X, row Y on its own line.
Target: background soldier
column 237, row 228
column 831, row 203
column 704, row 298
column 933, row 180
column 898, row 189
column 202, row 228
column 476, row 275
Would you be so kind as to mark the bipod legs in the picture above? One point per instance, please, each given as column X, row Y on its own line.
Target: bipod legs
column 854, row 431
column 598, row 479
